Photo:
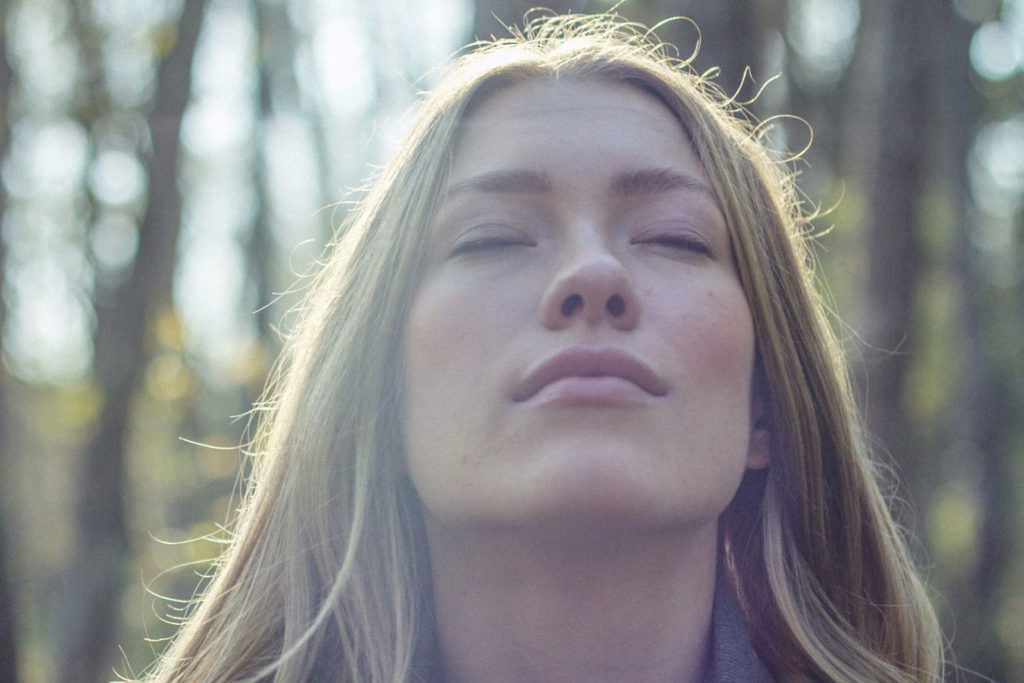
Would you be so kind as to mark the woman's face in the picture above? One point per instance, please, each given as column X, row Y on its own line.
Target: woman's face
column 580, row 350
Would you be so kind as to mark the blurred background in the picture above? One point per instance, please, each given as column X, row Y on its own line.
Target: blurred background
column 170, row 167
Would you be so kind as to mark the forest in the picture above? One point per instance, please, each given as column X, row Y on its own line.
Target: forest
column 171, row 170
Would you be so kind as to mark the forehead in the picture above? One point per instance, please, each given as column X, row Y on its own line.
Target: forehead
column 585, row 130
column 543, row 100
column 553, row 92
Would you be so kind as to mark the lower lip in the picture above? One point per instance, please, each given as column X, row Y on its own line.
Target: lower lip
column 591, row 391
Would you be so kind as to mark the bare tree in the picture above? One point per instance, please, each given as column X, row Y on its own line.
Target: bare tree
column 8, row 613
column 990, row 405
column 890, row 150
column 275, row 76
column 90, row 622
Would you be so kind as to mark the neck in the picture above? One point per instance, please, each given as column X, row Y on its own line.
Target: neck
column 513, row 606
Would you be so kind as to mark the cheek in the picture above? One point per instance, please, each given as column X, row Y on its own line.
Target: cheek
column 445, row 334
column 731, row 335
column 424, row 398
column 427, row 332
column 461, row 324
column 452, row 340
column 715, row 339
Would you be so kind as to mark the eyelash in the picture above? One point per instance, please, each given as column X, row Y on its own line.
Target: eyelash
column 673, row 241
column 677, row 241
column 484, row 243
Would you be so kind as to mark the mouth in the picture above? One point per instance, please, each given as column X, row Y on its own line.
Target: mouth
column 589, row 362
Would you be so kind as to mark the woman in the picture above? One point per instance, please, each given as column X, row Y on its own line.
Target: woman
column 564, row 406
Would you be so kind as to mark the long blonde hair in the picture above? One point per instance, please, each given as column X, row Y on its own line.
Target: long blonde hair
column 326, row 575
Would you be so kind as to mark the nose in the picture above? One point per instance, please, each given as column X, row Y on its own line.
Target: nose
column 593, row 287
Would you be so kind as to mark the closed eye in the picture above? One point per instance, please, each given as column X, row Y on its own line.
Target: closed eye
column 487, row 243
column 676, row 241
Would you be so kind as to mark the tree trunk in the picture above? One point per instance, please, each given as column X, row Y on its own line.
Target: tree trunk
column 991, row 410
column 92, row 606
column 8, row 612
column 989, row 406
column 861, row 92
column 276, row 55
column 895, row 182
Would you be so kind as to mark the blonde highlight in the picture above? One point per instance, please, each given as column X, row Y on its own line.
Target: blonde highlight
column 326, row 572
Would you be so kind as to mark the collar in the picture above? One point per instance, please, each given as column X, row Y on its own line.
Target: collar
column 732, row 659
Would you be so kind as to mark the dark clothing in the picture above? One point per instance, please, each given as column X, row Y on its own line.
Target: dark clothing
column 732, row 658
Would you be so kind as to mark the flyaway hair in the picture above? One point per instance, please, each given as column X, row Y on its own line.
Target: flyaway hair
column 326, row 576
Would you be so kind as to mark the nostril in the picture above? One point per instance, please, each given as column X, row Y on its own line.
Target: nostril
column 572, row 304
column 616, row 306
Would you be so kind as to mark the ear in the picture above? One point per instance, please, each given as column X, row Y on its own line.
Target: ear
column 759, row 449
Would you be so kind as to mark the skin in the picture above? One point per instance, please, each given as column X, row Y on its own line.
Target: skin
column 572, row 525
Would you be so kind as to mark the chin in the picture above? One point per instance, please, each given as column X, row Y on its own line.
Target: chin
column 581, row 486
column 609, row 492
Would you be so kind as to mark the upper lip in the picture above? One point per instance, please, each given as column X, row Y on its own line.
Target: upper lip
column 586, row 361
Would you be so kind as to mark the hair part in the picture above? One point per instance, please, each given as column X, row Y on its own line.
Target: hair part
column 327, row 571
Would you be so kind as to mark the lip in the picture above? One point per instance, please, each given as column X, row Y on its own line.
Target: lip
column 588, row 362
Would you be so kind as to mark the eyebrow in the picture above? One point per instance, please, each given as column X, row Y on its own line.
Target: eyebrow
column 657, row 181
column 643, row 181
column 503, row 182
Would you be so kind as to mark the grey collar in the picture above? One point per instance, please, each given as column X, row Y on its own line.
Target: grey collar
column 732, row 659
